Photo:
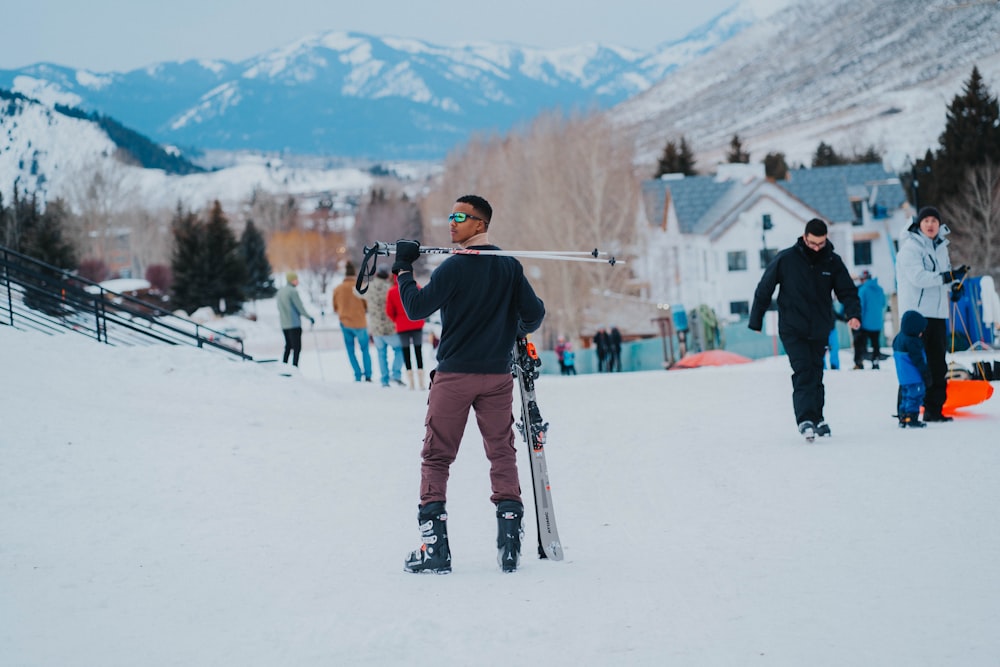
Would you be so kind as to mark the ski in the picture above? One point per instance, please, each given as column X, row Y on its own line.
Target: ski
column 533, row 430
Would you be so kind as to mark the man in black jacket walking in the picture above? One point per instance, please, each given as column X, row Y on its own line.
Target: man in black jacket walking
column 808, row 272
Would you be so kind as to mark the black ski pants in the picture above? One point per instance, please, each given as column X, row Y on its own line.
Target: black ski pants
column 936, row 345
column 863, row 338
column 808, row 394
column 293, row 344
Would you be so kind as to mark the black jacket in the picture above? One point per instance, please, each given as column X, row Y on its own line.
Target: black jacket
column 805, row 301
column 485, row 303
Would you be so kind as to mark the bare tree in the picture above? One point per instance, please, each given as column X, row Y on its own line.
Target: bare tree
column 150, row 236
column 973, row 216
column 99, row 198
column 270, row 212
column 558, row 184
column 385, row 216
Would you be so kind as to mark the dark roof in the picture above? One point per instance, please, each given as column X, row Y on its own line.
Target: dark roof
column 828, row 190
column 692, row 196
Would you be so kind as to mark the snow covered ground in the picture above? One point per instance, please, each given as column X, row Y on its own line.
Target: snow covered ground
column 170, row 507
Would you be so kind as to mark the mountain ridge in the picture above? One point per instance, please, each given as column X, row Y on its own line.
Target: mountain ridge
column 879, row 74
column 357, row 95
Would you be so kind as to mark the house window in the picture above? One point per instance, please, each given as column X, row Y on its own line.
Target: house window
column 862, row 253
column 766, row 255
column 739, row 308
column 737, row 260
column 767, row 222
column 856, row 206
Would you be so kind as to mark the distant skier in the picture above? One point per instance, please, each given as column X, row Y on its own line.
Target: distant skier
column 290, row 313
column 486, row 302
column 808, row 272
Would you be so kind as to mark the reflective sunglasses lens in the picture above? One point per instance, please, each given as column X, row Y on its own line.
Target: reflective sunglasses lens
column 458, row 217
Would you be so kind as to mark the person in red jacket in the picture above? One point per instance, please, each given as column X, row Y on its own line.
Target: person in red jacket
column 411, row 334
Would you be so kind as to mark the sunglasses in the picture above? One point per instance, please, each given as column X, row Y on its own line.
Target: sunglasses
column 462, row 217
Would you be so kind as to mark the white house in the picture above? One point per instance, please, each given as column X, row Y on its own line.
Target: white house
column 708, row 238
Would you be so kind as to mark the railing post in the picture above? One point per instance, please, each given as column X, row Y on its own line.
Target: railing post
column 6, row 278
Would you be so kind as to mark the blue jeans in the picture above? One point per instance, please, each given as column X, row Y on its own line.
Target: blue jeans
column 382, row 345
column 361, row 336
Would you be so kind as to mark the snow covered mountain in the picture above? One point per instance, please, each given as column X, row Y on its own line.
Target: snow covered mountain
column 351, row 94
column 852, row 73
column 54, row 153
column 783, row 74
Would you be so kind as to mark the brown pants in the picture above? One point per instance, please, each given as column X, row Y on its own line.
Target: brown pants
column 451, row 395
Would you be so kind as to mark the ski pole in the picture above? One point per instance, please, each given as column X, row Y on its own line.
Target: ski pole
column 319, row 357
column 380, row 248
column 592, row 255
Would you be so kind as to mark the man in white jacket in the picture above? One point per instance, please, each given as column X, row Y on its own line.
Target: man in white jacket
column 924, row 282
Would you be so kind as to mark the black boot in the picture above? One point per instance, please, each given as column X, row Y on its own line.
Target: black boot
column 911, row 420
column 433, row 556
column 509, row 533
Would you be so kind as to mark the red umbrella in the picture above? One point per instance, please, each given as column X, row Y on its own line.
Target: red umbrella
column 711, row 358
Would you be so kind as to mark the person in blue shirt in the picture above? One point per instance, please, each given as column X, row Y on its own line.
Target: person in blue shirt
column 872, row 299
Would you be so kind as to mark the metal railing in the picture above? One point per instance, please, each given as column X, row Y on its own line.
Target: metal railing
column 40, row 297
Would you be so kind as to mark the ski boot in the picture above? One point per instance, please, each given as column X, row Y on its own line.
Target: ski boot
column 433, row 556
column 808, row 430
column 510, row 530
column 911, row 420
column 823, row 429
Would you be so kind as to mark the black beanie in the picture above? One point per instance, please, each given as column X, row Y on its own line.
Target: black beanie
column 928, row 212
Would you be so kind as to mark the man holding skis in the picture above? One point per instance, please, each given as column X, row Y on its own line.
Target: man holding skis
column 486, row 303
column 808, row 273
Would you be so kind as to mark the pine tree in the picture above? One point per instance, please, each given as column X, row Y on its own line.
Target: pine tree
column 775, row 166
column 736, row 153
column 825, row 156
column 676, row 159
column 970, row 139
column 39, row 235
column 871, row 156
column 260, row 283
column 188, row 290
column 226, row 272
column 46, row 240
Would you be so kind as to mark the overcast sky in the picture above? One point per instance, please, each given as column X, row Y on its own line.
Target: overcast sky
column 120, row 35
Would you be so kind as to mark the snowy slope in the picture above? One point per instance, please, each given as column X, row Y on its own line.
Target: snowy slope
column 191, row 510
column 852, row 73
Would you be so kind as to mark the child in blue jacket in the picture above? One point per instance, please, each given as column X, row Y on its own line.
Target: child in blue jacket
column 911, row 368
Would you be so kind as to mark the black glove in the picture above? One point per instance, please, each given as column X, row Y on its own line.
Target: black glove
column 954, row 274
column 956, row 291
column 407, row 252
